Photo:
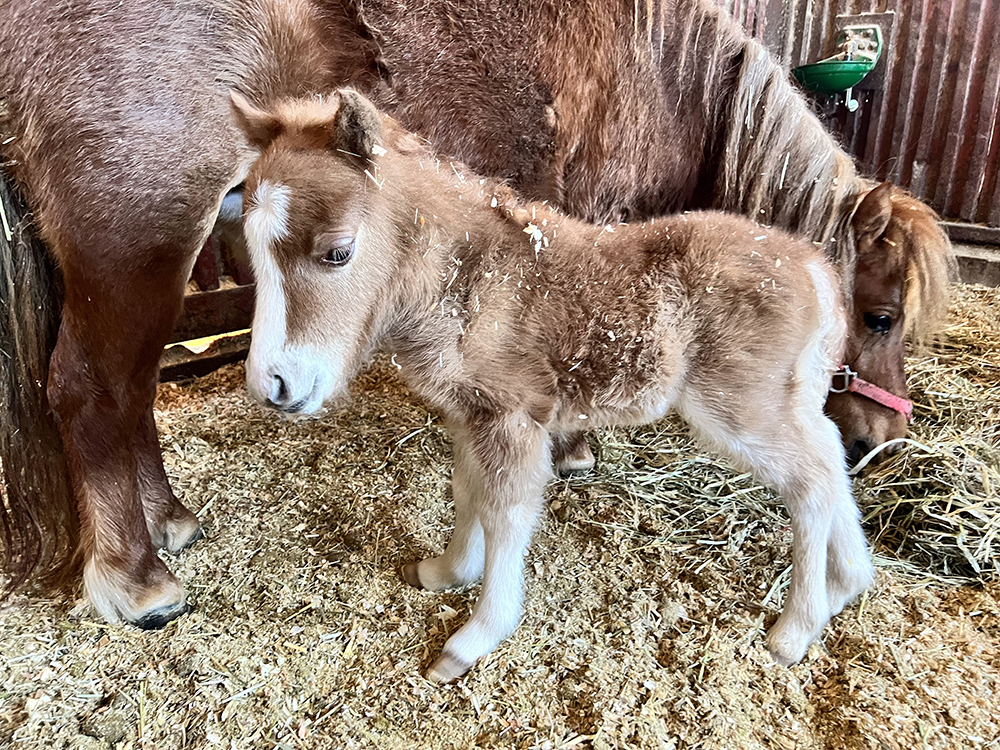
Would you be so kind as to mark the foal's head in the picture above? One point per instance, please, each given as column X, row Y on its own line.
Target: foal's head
column 900, row 293
column 317, row 242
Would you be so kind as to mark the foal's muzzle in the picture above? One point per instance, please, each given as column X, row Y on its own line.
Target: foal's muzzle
column 281, row 397
column 289, row 400
column 291, row 381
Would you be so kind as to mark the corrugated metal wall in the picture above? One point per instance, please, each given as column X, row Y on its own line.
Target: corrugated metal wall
column 930, row 111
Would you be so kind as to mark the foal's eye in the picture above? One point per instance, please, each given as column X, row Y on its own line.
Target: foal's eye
column 339, row 253
column 878, row 323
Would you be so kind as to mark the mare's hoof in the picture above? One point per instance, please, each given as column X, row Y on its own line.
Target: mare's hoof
column 180, row 531
column 408, row 573
column 448, row 669
column 160, row 616
column 197, row 536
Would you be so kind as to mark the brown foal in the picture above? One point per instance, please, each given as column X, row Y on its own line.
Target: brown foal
column 520, row 324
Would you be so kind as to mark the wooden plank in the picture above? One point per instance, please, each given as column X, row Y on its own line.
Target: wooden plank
column 776, row 30
column 890, row 123
column 991, row 211
column 986, row 156
column 928, row 80
column 976, row 234
column 940, row 133
column 978, row 264
column 212, row 313
column 180, row 363
column 917, row 75
column 968, row 166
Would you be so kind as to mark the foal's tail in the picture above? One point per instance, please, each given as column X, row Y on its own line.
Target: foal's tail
column 38, row 521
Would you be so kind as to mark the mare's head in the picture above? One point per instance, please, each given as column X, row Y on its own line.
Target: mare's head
column 900, row 282
column 315, row 233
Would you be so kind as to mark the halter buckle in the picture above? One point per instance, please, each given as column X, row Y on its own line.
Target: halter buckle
column 848, row 376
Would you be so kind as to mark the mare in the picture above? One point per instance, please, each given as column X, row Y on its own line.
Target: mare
column 517, row 323
column 116, row 127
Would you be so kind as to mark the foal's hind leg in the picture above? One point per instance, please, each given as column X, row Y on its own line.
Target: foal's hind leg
column 571, row 454
column 171, row 526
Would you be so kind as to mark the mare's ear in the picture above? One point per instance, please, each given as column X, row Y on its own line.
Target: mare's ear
column 358, row 127
column 258, row 126
column 873, row 213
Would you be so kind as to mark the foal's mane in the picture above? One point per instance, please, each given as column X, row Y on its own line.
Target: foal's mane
column 777, row 164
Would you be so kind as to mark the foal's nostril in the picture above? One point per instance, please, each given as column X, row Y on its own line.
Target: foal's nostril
column 858, row 450
column 279, row 391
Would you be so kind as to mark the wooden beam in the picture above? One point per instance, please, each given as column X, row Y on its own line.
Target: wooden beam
column 978, row 264
column 180, row 363
column 215, row 312
column 977, row 234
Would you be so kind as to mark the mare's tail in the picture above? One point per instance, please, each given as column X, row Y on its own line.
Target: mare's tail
column 38, row 521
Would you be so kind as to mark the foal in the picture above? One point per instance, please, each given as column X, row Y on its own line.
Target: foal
column 519, row 324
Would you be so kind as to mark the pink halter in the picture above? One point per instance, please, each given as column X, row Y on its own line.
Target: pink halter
column 852, row 383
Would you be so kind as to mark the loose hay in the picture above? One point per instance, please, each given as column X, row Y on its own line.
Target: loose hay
column 650, row 585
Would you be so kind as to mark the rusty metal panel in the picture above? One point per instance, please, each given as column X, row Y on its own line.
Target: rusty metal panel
column 930, row 113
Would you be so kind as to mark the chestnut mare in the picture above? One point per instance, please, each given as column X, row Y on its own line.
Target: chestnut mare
column 115, row 122
column 517, row 323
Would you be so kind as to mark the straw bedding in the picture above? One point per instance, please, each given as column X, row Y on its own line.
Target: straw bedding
column 650, row 585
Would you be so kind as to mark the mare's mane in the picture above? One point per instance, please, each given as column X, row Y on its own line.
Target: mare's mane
column 777, row 163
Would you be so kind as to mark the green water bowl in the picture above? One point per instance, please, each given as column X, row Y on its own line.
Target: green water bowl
column 833, row 76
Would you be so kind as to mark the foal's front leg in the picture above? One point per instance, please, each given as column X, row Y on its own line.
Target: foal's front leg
column 831, row 564
column 514, row 462
column 462, row 561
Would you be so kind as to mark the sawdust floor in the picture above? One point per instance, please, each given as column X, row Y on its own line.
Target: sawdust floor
column 646, row 609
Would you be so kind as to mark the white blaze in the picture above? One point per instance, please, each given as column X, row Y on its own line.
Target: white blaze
column 266, row 224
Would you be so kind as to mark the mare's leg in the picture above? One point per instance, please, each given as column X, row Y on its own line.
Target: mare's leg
column 571, row 454
column 462, row 561
column 171, row 526
column 514, row 461
column 120, row 307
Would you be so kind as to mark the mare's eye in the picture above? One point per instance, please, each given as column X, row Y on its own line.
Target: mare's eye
column 878, row 323
column 339, row 253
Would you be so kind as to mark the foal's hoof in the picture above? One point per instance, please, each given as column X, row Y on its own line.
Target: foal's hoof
column 781, row 659
column 159, row 617
column 788, row 645
column 575, row 460
column 448, row 669
column 408, row 573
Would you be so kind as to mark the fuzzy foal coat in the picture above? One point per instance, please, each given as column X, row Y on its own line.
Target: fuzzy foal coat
column 520, row 324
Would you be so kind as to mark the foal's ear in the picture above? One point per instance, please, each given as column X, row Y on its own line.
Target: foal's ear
column 358, row 127
column 258, row 126
column 873, row 213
